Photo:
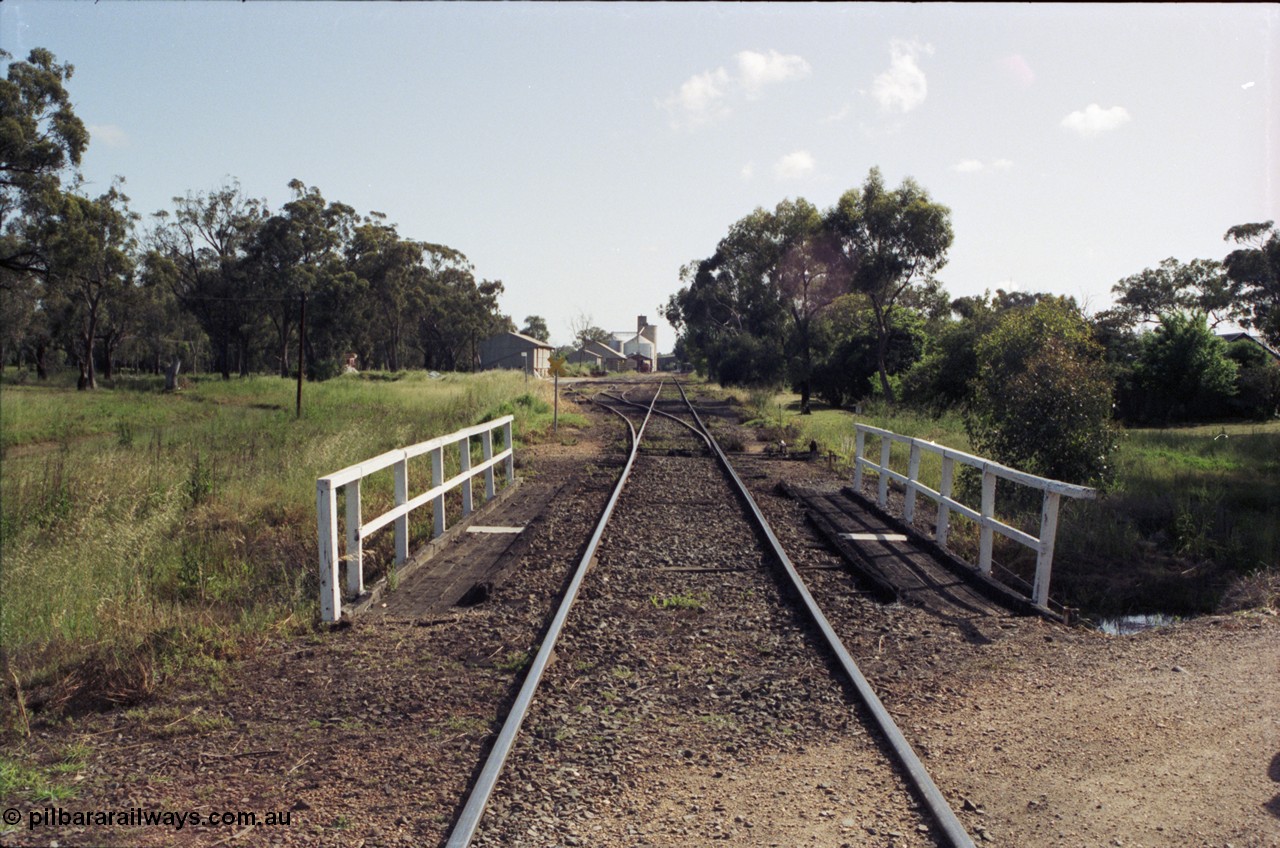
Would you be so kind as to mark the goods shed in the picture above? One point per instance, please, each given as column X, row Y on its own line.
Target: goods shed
column 516, row 351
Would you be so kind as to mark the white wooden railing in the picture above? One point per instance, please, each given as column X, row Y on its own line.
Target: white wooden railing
column 1053, row 491
column 398, row 460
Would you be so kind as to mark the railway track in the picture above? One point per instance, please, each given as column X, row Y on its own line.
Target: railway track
column 686, row 652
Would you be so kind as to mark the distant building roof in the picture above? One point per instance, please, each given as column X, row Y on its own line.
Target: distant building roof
column 1242, row 336
column 603, row 349
column 530, row 339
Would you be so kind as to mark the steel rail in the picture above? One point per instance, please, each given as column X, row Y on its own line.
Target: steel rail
column 675, row 418
column 928, row 791
column 469, row 819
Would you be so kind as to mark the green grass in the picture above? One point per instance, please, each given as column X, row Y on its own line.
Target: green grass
column 513, row 661
column 696, row 601
column 1194, row 510
column 136, row 523
column 20, row 781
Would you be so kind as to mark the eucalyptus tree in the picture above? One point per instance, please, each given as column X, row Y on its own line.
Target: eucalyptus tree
column 585, row 330
column 890, row 244
column 19, row 306
column 388, row 267
column 166, row 335
column 471, row 314
column 535, row 327
column 1255, row 267
column 1201, row 285
column 289, row 255
column 845, row 333
column 808, row 279
column 90, row 263
column 117, row 325
column 201, row 249
column 41, row 139
column 456, row 311
column 731, row 314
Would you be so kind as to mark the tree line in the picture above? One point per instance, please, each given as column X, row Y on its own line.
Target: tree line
column 845, row 304
column 220, row 278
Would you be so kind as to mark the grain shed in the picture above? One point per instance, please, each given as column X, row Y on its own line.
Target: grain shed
column 516, row 351
column 609, row 358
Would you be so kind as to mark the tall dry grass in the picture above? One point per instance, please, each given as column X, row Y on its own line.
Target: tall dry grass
column 144, row 532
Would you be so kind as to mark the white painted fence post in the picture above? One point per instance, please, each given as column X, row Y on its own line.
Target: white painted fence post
column 985, row 534
column 1044, row 557
column 886, row 445
column 913, row 473
column 860, row 447
column 944, row 511
column 437, row 477
column 511, row 457
column 327, row 513
column 464, row 465
column 401, row 472
column 486, row 446
column 988, row 523
column 350, row 478
column 355, row 546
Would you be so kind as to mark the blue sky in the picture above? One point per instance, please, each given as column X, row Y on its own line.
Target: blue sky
column 582, row 152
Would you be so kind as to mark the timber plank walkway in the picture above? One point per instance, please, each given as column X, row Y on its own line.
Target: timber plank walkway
column 898, row 564
column 463, row 568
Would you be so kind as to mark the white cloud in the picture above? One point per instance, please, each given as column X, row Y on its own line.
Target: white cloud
column 838, row 115
column 108, row 134
column 756, row 70
column 705, row 97
column 971, row 166
column 1093, row 120
column 794, row 165
column 700, row 99
column 903, row 87
column 748, row 170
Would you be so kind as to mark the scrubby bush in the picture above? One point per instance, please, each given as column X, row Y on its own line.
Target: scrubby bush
column 1183, row 371
column 943, row 377
column 1042, row 398
column 847, row 369
column 745, row 360
column 1257, row 392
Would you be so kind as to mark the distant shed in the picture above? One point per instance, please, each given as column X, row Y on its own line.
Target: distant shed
column 516, row 351
column 582, row 356
column 611, row 359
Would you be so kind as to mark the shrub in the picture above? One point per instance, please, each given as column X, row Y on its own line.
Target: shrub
column 1042, row 398
column 1183, row 370
column 847, row 370
column 744, row 360
column 1257, row 392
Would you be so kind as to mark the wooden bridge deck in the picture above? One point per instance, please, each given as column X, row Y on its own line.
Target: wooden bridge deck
column 899, row 565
